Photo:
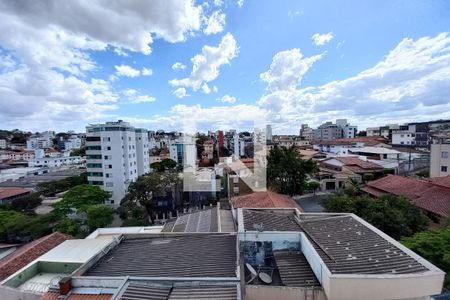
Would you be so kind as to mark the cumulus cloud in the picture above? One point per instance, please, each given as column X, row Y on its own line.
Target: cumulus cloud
column 180, row 92
column 410, row 83
column 240, row 3
column 287, row 69
column 227, row 99
column 134, row 97
column 146, row 72
column 322, row 39
column 46, row 63
column 214, row 23
column 127, row 71
column 178, row 66
column 130, row 25
column 206, row 66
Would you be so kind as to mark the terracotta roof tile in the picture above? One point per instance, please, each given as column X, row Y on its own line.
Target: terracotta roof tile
column 266, row 199
column 29, row 252
column 351, row 160
column 6, row 192
column 432, row 195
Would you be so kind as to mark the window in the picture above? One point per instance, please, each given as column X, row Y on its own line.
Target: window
column 109, row 166
column 444, row 154
column 109, row 184
column 108, row 148
column 109, row 175
column 107, row 139
column 443, row 168
column 93, row 139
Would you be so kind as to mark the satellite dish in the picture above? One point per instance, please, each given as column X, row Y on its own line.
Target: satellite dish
column 251, row 269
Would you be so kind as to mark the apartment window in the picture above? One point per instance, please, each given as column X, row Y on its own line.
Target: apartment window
column 106, row 157
column 109, row 184
column 109, row 166
column 444, row 154
column 131, row 164
column 129, row 139
column 108, row 148
column 443, row 168
column 93, row 139
column 112, row 201
column 107, row 139
column 109, row 175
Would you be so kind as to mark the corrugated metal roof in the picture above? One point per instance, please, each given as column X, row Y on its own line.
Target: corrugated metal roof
column 294, row 269
column 349, row 247
column 199, row 221
column 270, row 220
column 212, row 255
column 145, row 292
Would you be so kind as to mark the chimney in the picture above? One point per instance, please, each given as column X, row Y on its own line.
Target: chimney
column 65, row 285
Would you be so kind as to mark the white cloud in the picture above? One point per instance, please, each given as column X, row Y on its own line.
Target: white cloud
column 227, row 99
column 130, row 25
column 287, row 69
column 218, row 2
column 410, row 83
column 146, row 72
column 120, row 52
column 206, row 66
column 178, row 66
column 134, row 97
column 322, row 39
column 180, row 92
column 127, row 71
column 46, row 63
column 240, row 3
column 214, row 23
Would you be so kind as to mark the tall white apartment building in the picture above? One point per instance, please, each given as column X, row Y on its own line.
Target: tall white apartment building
column 116, row 154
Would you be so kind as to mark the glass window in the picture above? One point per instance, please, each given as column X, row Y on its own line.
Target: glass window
column 444, row 154
column 443, row 168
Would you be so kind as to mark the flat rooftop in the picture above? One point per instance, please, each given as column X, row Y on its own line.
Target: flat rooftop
column 188, row 255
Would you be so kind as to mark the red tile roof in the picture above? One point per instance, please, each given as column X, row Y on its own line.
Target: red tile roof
column 54, row 296
column 432, row 195
column 29, row 252
column 7, row 192
column 266, row 199
column 351, row 160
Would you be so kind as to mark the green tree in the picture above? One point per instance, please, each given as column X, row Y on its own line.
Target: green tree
column 16, row 226
column 391, row 214
column 51, row 188
column 164, row 165
column 139, row 202
column 314, row 186
column 99, row 215
column 433, row 245
column 368, row 177
column 78, row 152
column 81, row 197
column 26, row 203
column 287, row 172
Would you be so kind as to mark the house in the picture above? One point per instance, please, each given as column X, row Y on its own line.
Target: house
column 267, row 199
column 25, row 254
column 8, row 194
column 431, row 196
column 440, row 156
column 273, row 254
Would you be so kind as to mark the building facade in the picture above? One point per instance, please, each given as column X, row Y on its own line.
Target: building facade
column 116, row 154
column 440, row 158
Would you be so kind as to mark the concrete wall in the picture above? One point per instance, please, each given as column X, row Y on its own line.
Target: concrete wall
column 262, row 292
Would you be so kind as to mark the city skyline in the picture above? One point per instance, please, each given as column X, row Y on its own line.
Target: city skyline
column 221, row 62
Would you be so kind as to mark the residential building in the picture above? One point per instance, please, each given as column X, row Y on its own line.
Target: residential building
column 38, row 143
column 403, row 138
column 272, row 253
column 306, row 132
column 113, row 151
column 8, row 194
column 440, row 157
column 55, row 162
column 2, row 144
column 431, row 196
column 330, row 131
column 208, row 147
column 17, row 155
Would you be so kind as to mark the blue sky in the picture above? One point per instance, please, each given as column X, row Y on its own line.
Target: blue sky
column 373, row 62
